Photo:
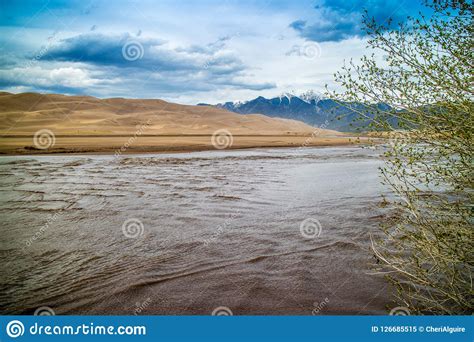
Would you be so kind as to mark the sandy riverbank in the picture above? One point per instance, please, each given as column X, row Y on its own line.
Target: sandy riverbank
column 155, row 144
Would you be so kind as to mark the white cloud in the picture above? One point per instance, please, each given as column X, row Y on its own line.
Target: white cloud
column 193, row 51
column 73, row 77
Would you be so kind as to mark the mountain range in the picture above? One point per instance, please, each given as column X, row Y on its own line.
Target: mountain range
column 308, row 107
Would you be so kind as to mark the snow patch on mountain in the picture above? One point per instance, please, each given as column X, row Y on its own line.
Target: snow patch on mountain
column 286, row 95
column 311, row 96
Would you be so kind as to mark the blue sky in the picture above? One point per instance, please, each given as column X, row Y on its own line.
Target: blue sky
column 183, row 51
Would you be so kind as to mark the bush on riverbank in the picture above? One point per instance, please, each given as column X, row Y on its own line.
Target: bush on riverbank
column 425, row 78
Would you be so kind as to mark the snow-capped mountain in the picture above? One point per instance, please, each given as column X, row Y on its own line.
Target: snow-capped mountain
column 309, row 107
column 287, row 96
column 311, row 96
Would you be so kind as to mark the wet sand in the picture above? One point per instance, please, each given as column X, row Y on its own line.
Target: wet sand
column 213, row 229
column 123, row 144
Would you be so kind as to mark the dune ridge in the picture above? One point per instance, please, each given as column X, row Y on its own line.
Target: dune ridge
column 89, row 124
column 85, row 115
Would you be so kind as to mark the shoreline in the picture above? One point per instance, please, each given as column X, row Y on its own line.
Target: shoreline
column 118, row 145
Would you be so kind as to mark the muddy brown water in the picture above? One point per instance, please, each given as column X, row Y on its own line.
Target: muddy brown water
column 266, row 232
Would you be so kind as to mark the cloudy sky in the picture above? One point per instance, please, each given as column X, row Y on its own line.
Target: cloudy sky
column 183, row 51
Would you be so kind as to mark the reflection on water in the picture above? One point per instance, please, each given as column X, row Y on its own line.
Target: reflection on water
column 205, row 230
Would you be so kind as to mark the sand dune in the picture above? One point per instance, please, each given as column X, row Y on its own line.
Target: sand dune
column 85, row 115
column 88, row 124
